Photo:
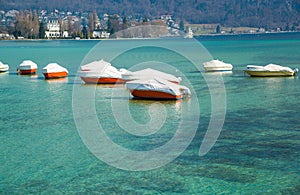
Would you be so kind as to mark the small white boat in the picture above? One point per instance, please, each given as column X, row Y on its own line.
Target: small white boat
column 217, row 65
column 27, row 67
column 157, row 88
column 270, row 70
column 3, row 67
column 100, row 72
column 53, row 71
column 148, row 73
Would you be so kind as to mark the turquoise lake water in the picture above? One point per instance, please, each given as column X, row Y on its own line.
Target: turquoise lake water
column 257, row 151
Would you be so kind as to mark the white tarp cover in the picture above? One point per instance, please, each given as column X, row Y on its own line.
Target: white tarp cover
column 54, row 67
column 97, row 69
column 269, row 67
column 216, row 64
column 157, row 84
column 3, row 65
column 95, row 65
column 27, row 65
column 148, row 73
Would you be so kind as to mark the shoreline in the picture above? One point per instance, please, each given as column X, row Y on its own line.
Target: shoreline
column 162, row 37
column 255, row 33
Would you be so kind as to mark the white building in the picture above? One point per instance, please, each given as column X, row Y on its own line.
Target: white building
column 100, row 34
column 53, row 30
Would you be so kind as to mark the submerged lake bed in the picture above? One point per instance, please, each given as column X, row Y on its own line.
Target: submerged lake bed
column 257, row 151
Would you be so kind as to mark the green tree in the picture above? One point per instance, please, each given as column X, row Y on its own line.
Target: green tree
column 84, row 32
column 145, row 20
column 218, row 29
column 287, row 27
column 181, row 26
column 41, row 30
column 125, row 22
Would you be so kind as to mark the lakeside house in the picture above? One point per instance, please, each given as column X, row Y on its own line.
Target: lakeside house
column 101, row 34
column 54, row 31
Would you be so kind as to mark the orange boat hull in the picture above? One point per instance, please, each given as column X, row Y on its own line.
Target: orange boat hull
column 55, row 75
column 148, row 94
column 30, row 71
column 89, row 80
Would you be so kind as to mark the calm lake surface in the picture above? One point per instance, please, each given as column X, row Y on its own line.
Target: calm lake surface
column 257, row 151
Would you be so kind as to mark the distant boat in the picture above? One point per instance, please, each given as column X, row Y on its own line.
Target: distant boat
column 27, row 67
column 3, row 67
column 53, row 70
column 270, row 70
column 217, row 65
column 157, row 88
column 100, row 72
column 148, row 73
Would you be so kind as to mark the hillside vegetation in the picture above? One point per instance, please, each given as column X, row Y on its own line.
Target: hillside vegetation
column 258, row 13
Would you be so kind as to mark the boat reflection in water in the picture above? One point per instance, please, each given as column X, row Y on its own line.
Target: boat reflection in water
column 58, row 80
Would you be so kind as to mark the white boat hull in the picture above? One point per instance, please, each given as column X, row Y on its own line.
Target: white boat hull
column 271, row 70
column 269, row 73
column 217, row 65
column 210, row 69
column 4, row 69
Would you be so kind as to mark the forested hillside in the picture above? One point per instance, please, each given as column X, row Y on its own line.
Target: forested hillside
column 256, row 13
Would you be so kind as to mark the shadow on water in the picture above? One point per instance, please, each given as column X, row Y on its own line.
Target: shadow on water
column 292, row 190
column 245, row 144
column 218, row 171
column 13, row 73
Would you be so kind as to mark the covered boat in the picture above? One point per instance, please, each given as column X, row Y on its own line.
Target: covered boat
column 148, row 73
column 100, row 72
column 217, row 65
column 157, row 88
column 27, row 67
column 53, row 70
column 270, row 70
column 3, row 67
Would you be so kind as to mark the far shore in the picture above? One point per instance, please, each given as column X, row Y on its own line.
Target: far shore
column 145, row 38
